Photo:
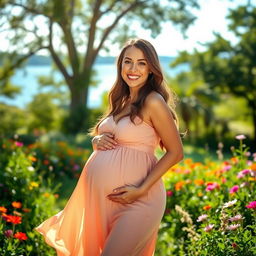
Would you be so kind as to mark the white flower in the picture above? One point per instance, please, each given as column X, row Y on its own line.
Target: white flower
column 230, row 203
column 31, row 168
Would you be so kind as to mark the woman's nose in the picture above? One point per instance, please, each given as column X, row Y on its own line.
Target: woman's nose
column 133, row 66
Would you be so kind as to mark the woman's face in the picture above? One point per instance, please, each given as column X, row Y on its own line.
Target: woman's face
column 135, row 68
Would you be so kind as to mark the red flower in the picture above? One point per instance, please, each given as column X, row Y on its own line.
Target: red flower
column 169, row 193
column 21, row 236
column 13, row 219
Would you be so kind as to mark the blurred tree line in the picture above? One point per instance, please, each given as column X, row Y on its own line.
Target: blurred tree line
column 214, row 95
column 73, row 32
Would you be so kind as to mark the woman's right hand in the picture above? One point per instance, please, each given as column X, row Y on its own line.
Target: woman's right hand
column 104, row 141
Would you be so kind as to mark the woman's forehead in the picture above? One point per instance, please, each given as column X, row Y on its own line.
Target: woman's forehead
column 134, row 53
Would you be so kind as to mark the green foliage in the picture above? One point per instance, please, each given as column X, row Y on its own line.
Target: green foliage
column 44, row 113
column 220, row 190
column 227, row 67
column 24, row 195
column 12, row 119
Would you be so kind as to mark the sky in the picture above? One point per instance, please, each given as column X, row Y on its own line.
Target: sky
column 210, row 17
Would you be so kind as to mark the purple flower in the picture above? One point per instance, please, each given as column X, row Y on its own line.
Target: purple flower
column 251, row 205
column 202, row 218
column 8, row 233
column 209, row 227
column 234, row 189
column 240, row 137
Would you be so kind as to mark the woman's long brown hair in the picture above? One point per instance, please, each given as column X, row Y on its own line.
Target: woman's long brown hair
column 119, row 93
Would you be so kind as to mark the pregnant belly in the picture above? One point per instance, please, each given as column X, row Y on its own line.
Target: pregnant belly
column 120, row 166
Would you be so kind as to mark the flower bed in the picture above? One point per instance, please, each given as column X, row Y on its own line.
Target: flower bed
column 211, row 207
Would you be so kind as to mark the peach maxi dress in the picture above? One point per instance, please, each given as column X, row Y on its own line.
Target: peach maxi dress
column 92, row 225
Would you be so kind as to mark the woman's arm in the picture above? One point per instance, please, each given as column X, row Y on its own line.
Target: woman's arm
column 165, row 126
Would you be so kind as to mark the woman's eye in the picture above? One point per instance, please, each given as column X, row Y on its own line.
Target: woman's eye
column 127, row 62
column 142, row 63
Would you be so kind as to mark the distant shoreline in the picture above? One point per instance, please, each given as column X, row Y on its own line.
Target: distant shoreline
column 40, row 60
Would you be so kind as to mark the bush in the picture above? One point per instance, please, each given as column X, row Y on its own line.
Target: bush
column 26, row 200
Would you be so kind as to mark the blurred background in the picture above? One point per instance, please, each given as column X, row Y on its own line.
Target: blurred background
column 58, row 63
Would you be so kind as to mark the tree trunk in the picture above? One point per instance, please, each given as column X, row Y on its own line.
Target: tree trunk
column 78, row 118
column 254, row 122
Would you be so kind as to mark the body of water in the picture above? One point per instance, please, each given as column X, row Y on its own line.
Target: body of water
column 27, row 80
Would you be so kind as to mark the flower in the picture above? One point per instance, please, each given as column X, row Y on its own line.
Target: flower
column 234, row 189
column 3, row 209
column 8, row 233
column 233, row 226
column 16, row 204
column 13, row 219
column 251, row 205
column 21, row 236
column 242, row 173
column 202, row 217
column 240, row 137
column 230, row 203
column 234, row 245
column 236, row 218
column 169, row 193
column 211, row 186
column 209, row 227
column 18, row 143
column 207, row 207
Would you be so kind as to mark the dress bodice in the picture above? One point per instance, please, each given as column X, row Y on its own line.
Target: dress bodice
column 140, row 135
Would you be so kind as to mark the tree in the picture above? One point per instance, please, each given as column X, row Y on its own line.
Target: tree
column 74, row 31
column 231, row 67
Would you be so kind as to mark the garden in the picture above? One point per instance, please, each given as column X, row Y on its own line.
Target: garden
column 210, row 210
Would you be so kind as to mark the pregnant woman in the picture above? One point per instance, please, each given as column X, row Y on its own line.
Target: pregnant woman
column 119, row 200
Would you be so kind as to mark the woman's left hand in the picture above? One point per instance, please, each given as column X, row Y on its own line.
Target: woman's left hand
column 125, row 194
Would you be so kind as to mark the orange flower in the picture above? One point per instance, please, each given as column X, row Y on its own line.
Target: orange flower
column 17, row 213
column 199, row 182
column 207, row 207
column 253, row 167
column 32, row 158
column 3, row 209
column 26, row 210
column 179, row 185
column 21, row 236
column 56, row 195
column 13, row 219
column 234, row 160
column 16, row 204
column 46, row 194
column 199, row 194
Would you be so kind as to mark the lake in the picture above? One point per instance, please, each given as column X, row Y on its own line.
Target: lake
column 27, row 79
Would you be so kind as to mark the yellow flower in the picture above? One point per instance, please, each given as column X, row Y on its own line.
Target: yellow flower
column 33, row 184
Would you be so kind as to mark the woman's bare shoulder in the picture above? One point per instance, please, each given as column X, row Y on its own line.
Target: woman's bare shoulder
column 154, row 99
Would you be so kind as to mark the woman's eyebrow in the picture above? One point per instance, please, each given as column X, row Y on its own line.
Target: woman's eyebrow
column 137, row 60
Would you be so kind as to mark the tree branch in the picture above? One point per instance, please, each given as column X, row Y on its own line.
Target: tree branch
column 30, row 9
column 92, row 31
column 111, row 27
column 56, row 58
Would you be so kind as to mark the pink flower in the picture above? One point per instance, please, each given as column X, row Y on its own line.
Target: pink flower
column 8, row 233
column 240, row 137
column 169, row 193
column 18, row 143
column 251, row 205
column 236, row 218
column 209, row 227
column 242, row 173
column 212, row 186
column 202, row 218
column 234, row 189
column 233, row 226
column 227, row 167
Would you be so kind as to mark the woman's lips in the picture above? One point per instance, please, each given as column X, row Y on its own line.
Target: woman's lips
column 133, row 77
